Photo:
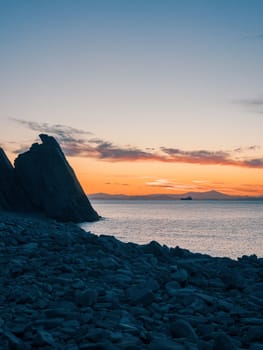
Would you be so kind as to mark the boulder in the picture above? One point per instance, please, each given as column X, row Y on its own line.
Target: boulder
column 223, row 341
column 182, row 329
column 43, row 181
column 6, row 173
column 12, row 196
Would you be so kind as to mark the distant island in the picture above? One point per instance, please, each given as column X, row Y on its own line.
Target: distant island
column 208, row 195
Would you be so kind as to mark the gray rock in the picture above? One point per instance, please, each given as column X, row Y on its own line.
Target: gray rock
column 181, row 276
column 232, row 279
column 204, row 345
column 257, row 289
column 162, row 343
column 96, row 335
column 74, row 290
column 172, row 288
column 254, row 334
column 30, row 247
column 151, row 284
column 2, row 226
column 253, row 321
column 223, row 341
column 182, row 329
column 128, row 324
column 98, row 346
column 205, row 329
column 14, row 342
column 256, row 347
column 140, row 295
column 116, row 336
column 130, row 342
column 12, row 196
column 51, row 184
column 87, row 297
column 161, row 252
column 43, row 181
column 50, row 323
column 45, row 338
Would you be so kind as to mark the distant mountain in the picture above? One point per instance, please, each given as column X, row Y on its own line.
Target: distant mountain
column 209, row 195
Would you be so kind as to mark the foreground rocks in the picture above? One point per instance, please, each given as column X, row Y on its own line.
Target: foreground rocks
column 63, row 288
column 43, row 181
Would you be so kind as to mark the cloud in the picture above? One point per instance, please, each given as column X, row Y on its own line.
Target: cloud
column 254, row 163
column 201, row 181
column 258, row 36
column 81, row 143
column 62, row 132
column 116, row 183
column 252, row 101
column 245, row 149
column 204, row 157
column 159, row 183
column 170, row 185
column 198, row 157
column 106, row 150
column 254, row 37
column 254, row 104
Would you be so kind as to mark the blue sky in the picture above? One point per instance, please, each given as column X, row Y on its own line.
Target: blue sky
column 184, row 74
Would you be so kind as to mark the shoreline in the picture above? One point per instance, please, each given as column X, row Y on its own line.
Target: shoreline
column 65, row 288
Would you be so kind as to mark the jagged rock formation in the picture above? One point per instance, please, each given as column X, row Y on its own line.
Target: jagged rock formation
column 43, row 181
column 12, row 196
column 5, row 179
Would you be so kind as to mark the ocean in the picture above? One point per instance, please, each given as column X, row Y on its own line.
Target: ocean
column 218, row 228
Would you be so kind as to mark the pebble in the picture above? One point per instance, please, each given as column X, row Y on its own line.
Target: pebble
column 182, row 329
column 223, row 341
column 64, row 288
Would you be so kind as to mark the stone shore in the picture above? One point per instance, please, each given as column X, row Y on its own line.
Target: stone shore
column 63, row 288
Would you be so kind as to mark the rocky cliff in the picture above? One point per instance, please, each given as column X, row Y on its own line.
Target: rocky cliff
column 43, row 181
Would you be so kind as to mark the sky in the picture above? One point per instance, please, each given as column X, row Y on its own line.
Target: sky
column 145, row 96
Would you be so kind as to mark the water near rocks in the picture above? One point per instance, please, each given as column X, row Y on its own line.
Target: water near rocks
column 218, row 228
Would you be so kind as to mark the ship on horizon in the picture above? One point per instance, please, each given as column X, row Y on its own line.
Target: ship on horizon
column 188, row 198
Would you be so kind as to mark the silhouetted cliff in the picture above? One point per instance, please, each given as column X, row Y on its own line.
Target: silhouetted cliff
column 43, row 181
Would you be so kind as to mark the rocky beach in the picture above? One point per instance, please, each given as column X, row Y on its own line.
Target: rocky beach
column 64, row 288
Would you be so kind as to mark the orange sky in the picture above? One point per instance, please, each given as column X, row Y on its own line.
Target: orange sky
column 135, row 178
column 151, row 171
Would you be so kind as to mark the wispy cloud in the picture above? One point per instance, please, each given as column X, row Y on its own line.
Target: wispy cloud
column 163, row 183
column 116, row 183
column 258, row 36
column 198, row 157
column 255, row 105
column 254, row 37
column 171, row 185
column 252, row 101
column 80, row 143
column 246, row 149
column 62, row 132
column 201, row 181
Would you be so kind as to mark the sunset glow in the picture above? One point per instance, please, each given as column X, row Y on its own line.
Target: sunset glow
column 144, row 97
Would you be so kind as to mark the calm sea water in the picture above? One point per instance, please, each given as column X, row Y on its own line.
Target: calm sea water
column 218, row 228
